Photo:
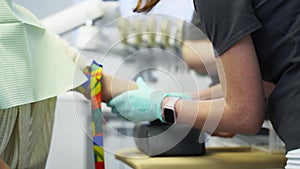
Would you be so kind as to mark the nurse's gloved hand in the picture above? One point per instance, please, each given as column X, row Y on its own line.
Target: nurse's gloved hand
column 142, row 104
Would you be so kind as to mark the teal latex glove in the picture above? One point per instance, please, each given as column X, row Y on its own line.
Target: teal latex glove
column 142, row 104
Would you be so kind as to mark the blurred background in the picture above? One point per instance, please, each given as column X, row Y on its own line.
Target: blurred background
column 98, row 29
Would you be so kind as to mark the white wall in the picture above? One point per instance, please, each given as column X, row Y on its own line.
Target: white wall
column 43, row 8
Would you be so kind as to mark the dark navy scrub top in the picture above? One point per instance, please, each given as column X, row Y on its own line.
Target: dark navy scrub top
column 274, row 26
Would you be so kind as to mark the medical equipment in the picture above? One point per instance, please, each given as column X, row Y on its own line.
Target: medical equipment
column 158, row 139
column 148, row 31
column 74, row 16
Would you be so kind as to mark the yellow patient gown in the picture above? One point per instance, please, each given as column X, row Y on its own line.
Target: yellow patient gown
column 34, row 68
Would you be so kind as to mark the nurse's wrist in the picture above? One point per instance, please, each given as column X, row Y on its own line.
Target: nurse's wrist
column 165, row 102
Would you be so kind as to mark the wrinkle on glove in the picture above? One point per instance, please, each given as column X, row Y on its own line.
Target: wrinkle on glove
column 34, row 63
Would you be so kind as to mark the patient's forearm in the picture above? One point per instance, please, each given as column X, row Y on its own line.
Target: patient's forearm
column 113, row 86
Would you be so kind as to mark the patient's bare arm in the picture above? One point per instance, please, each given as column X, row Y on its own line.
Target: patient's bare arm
column 113, row 86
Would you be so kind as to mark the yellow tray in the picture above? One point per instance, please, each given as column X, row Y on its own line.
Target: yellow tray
column 215, row 158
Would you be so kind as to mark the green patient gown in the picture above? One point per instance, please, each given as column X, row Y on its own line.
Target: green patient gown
column 35, row 67
column 34, row 63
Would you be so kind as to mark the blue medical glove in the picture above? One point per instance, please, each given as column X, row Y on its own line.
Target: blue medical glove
column 142, row 104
